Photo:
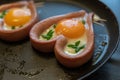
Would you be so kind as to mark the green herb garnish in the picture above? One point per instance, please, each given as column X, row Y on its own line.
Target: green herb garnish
column 77, row 43
column 49, row 35
column 72, row 46
column 13, row 27
column 3, row 14
column 54, row 25
column 83, row 21
column 76, row 46
column 79, row 48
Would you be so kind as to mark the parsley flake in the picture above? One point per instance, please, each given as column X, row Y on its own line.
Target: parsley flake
column 54, row 25
column 76, row 46
column 3, row 14
column 49, row 35
column 83, row 21
column 13, row 27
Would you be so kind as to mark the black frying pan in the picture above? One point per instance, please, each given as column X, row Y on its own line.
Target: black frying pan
column 19, row 61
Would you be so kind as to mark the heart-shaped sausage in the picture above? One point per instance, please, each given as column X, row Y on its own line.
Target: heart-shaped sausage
column 22, row 32
column 59, row 42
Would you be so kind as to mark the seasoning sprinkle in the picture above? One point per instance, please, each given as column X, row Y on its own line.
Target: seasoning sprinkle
column 54, row 25
column 3, row 14
column 76, row 46
column 83, row 21
column 49, row 35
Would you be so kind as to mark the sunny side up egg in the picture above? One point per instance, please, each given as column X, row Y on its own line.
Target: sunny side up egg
column 73, row 29
column 16, row 17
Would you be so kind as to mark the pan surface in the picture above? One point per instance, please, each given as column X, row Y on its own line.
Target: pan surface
column 19, row 61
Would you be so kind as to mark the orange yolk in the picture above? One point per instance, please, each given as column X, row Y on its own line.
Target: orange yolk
column 70, row 28
column 17, row 17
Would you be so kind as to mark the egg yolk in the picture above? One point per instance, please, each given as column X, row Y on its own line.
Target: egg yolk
column 17, row 17
column 70, row 28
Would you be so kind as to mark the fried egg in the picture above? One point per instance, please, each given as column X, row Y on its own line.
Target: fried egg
column 74, row 30
column 16, row 18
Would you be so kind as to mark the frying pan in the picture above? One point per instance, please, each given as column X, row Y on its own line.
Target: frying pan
column 19, row 61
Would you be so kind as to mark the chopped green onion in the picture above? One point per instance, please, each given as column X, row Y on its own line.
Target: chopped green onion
column 13, row 27
column 77, row 43
column 72, row 46
column 49, row 35
column 54, row 25
column 76, row 46
column 3, row 14
column 46, row 37
column 79, row 48
column 83, row 21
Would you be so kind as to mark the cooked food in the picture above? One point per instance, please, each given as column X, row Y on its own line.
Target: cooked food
column 16, row 20
column 67, row 27
column 70, row 35
column 49, row 33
